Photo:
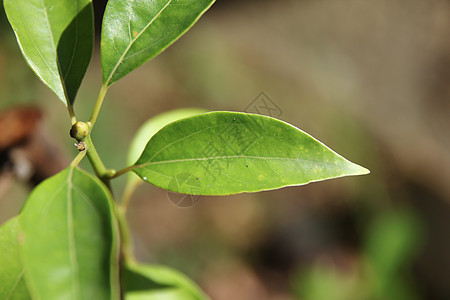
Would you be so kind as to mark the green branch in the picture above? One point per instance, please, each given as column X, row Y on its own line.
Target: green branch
column 97, row 164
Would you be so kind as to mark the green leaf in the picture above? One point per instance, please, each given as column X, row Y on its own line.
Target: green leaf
column 134, row 32
column 69, row 242
column 56, row 39
column 151, row 282
column 153, row 125
column 12, row 283
column 221, row 153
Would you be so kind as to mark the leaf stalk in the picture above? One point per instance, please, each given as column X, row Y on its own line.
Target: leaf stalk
column 123, row 171
column 78, row 158
column 98, row 104
column 73, row 119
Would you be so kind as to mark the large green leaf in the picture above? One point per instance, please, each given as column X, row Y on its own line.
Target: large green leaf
column 69, row 239
column 56, row 39
column 134, row 32
column 12, row 283
column 221, row 153
column 151, row 282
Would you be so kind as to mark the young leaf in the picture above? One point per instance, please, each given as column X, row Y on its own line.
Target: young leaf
column 222, row 153
column 134, row 32
column 56, row 39
column 12, row 283
column 69, row 239
column 152, row 282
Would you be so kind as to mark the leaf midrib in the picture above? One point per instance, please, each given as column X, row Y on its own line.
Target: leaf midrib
column 55, row 51
column 121, row 59
column 62, row 77
column 49, row 27
column 229, row 157
column 74, row 46
column 71, row 236
column 34, row 44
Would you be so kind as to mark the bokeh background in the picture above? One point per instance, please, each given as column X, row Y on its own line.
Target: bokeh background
column 371, row 79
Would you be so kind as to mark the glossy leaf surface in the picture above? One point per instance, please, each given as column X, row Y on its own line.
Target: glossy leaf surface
column 150, row 282
column 69, row 239
column 134, row 32
column 149, row 128
column 12, row 283
column 152, row 126
column 56, row 39
column 221, row 153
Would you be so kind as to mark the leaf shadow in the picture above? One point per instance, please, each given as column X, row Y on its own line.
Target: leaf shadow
column 74, row 50
column 133, row 281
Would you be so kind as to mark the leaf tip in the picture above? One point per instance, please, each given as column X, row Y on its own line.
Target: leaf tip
column 356, row 169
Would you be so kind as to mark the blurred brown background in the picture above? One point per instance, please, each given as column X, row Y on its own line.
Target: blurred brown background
column 371, row 79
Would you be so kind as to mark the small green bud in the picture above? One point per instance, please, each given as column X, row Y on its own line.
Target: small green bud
column 79, row 131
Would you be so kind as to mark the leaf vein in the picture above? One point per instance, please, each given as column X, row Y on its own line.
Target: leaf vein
column 192, row 134
column 71, row 237
column 49, row 28
column 86, row 199
column 16, row 284
column 74, row 46
column 34, row 43
column 50, row 201
column 143, row 50
column 228, row 157
column 134, row 40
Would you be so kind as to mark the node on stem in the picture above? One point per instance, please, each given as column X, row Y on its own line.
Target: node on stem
column 79, row 131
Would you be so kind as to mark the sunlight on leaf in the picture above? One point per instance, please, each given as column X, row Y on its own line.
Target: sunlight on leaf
column 221, row 153
column 134, row 32
column 56, row 39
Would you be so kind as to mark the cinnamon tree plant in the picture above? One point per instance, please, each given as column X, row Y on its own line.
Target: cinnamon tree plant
column 71, row 239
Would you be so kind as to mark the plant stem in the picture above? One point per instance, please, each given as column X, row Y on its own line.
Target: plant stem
column 73, row 119
column 78, row 158
column 98, row 104
column 125, row 235
column 130, row 187
column 96, row 162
